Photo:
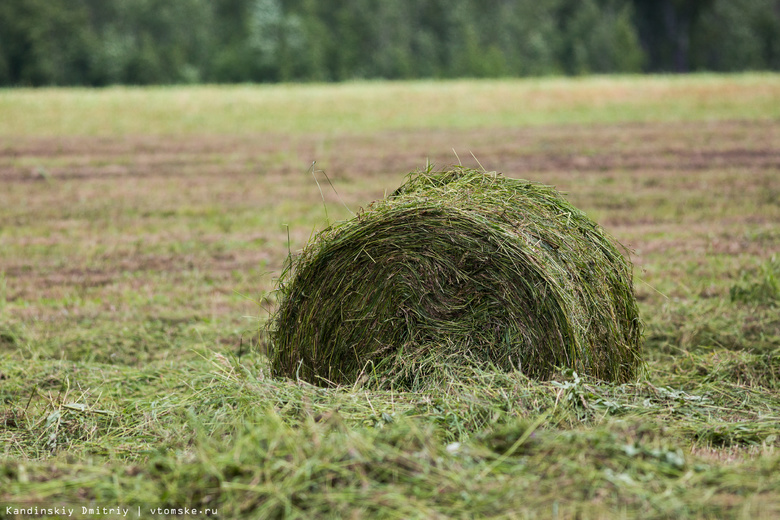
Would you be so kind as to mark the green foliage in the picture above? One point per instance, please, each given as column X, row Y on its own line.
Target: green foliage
column 738, row 35
column 600, row 38
column 43, row 43
column 90, row 42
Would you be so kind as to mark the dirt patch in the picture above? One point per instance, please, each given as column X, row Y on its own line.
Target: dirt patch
column 89, row 215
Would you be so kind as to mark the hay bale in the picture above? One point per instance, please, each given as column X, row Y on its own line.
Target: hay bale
column 457, row 268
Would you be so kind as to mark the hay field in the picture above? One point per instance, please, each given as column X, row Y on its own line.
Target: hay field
column 141, row 231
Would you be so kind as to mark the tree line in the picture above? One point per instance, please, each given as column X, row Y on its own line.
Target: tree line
column 105, row 42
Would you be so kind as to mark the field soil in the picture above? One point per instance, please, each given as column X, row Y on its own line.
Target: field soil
column 137, row 270
column 88, row 215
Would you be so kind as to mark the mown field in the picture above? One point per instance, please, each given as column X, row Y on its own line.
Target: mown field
column 141, row 231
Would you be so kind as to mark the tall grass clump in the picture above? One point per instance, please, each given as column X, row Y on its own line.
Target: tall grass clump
column 457, row 270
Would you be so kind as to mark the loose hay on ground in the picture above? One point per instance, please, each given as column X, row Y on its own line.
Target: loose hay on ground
column 459, row 269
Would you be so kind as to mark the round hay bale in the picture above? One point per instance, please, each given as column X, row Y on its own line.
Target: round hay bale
column 457, row 268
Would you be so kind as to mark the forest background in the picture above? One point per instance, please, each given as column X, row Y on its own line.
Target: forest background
column 105, row 42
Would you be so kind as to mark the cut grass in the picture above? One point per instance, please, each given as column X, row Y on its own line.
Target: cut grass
column 495, row 444
column 126, row 373
column 457, row 267
column 361, row 107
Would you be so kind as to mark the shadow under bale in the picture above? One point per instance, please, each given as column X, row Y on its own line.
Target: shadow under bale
column 457, row 269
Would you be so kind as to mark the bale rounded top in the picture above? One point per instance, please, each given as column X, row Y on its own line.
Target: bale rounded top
column 458, row 268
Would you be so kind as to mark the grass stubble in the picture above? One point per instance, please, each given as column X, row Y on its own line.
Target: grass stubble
column 127, row 377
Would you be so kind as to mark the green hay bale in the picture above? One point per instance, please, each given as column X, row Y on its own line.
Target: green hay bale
column 459, row 268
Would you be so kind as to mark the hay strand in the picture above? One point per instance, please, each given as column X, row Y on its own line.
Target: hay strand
column 457, row 268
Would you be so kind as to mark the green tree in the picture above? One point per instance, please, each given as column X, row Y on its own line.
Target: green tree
column 738, row 35
column 529, row 35
column 150, row 41
column 101, row 42
column 666, row 28
column 43, row 42
column 599, row 37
